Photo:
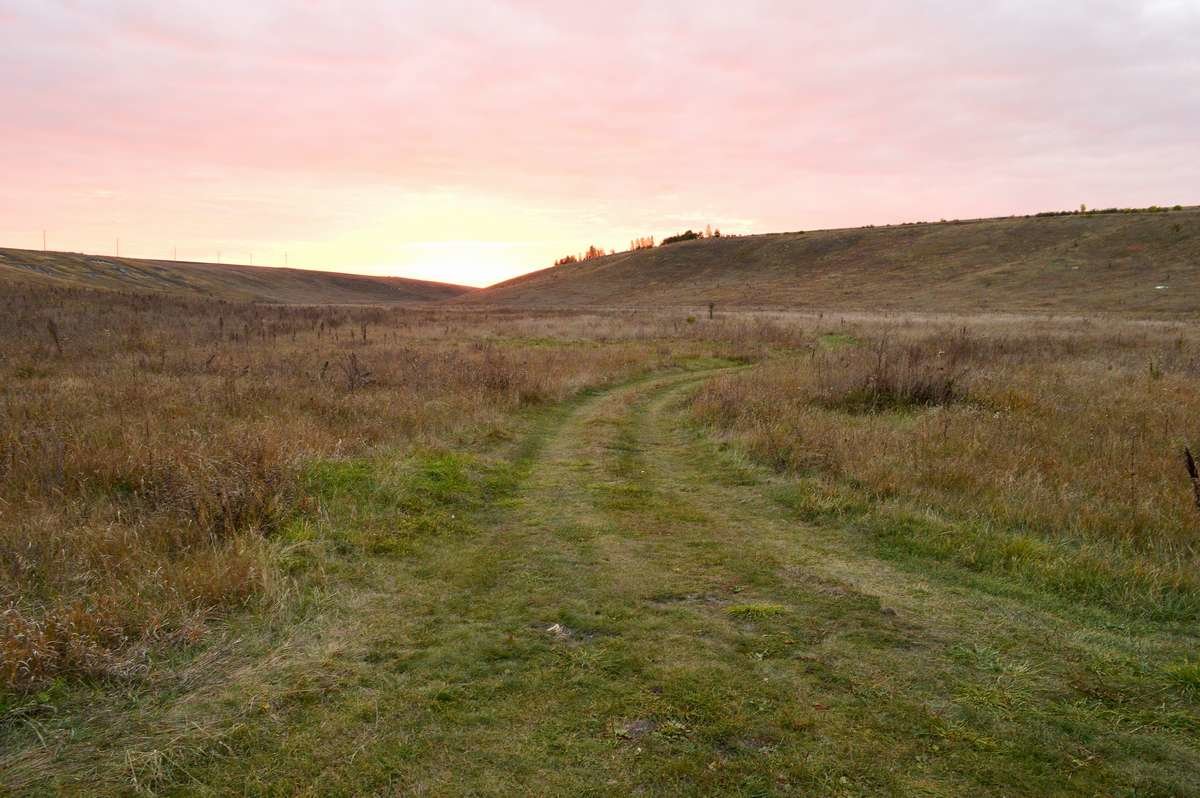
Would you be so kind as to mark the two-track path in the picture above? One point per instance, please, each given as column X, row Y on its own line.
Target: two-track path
column 640, row 616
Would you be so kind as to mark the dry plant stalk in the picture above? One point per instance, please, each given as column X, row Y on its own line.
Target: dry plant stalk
column 356, row 376
column 53, row 330
column 1190, row 462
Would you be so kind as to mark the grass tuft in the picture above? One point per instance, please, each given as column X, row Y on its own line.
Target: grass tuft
column 1186, row 675
column 756, row 611
column 889, row 378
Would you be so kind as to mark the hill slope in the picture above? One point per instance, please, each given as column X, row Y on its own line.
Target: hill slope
column 1063, row 264
column 225, row 281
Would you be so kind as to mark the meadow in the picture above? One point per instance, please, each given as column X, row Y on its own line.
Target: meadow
column 1061, row 443
column 150, row 445
column 1136, row 264
column 344, row 550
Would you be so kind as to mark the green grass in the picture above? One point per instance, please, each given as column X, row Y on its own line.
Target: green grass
column 609, row 604
column 756, row 611
column 837, row 340
column 1019, row 558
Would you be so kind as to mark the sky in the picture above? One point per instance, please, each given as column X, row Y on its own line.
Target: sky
column 473, row 141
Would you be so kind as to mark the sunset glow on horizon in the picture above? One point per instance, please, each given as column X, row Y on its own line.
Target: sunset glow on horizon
column 471, row 142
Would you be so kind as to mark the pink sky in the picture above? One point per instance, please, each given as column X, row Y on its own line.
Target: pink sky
column 470, row 141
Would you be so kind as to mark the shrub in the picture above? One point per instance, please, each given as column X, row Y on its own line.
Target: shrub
column 689, row 235
column 889, row 377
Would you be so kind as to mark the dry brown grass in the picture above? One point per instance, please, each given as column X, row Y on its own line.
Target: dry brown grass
column 226, row 280
column 1127, row 264
column 891, row 377
column 149, row 444
column 1066, row 432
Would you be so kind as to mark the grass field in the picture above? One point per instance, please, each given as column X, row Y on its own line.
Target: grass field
column 222, row 281
column 1128, row 264
column 280, row 550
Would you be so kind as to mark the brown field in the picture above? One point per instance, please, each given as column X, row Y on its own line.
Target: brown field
column 1068, row 436
column 222, row 281
column 149, row 444
column 301, row 549
column 1076, row 264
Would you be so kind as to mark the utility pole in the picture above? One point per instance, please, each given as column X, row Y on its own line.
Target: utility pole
column 118, row 247
column 43, row 241
column 285, row 259
column 174, row 253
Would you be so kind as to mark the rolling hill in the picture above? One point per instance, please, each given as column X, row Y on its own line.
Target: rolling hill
column 1135, row 263
column 224, row 281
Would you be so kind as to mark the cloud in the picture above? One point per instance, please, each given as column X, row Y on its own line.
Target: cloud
column 790, row 114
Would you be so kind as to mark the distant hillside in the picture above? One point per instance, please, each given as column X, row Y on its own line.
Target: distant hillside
column 225, row 281
column 1138, row 263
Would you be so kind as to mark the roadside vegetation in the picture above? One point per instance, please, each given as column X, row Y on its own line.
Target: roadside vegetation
column 1053, row 451
column 150, row 446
